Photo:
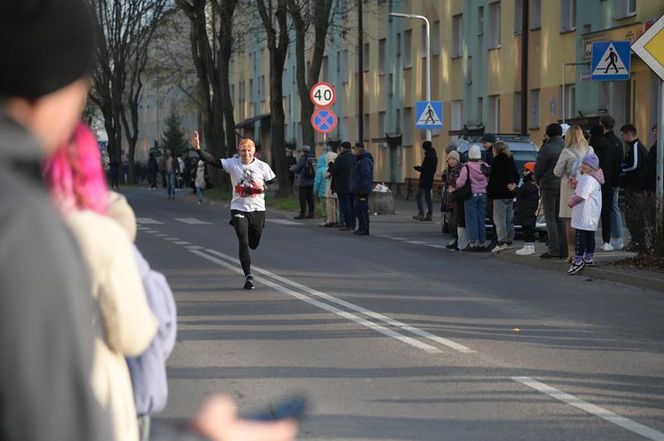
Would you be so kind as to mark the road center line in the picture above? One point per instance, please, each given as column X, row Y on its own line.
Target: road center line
column 592, row 409
column 385, row 319
column 346, row 315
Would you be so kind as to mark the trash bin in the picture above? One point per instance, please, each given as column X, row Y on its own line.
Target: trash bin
column 381, row 202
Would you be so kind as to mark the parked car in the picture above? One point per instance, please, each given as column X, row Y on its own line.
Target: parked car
column 523, row 150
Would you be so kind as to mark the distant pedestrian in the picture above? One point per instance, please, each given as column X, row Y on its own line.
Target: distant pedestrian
column 586, row 204
column 290, row 162
column 607, row 122
column 488, row 140
column 427, row 171
column 609, row 162
column 567, row 169
column 200, row 181
column 331, row 200
column 171, row 166
column 320, row 184
column 549, row 185
column 503, row 180
column 525, row 211
column 114, row 172
column 361, row 181
column 634, row 176
column 305, row 171
column 249, row 178
column 452, row 209
column 476, row 171
column 341, row 171
column 153, row 170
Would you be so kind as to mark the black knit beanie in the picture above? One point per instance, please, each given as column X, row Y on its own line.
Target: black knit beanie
column 554, row 129
column 45, row 45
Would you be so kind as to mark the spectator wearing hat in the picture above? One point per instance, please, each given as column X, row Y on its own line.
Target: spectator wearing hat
column 361, row 180
column 305, row 183
column 427, row 170
column 341, row 170
column 549, row 185
column 488, row 140
column 586, row 205
column 453, row 210
column 525, row 212
column 475, row 206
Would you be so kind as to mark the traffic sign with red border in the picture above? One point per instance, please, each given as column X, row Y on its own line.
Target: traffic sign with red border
column 322, row 94
column 324, row 120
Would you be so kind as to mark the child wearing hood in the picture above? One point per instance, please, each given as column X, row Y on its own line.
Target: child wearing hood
column 525, row 212
column 586, row 207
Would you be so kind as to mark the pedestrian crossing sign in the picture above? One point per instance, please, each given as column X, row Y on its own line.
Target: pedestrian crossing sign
column 429, row 114
column 610, row 61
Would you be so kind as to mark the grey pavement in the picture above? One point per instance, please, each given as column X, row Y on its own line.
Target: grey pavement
column 394, row 339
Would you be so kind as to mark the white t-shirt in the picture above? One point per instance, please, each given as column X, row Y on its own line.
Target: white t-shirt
column 248, row 183
column 586, row 215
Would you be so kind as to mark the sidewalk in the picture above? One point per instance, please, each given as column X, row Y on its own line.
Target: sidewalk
column 605, row 261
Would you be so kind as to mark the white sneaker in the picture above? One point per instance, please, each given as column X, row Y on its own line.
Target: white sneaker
column 607, row 247
column 527, row 250
column 499, row 248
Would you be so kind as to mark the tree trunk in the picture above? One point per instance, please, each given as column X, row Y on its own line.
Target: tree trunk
column 224, row 60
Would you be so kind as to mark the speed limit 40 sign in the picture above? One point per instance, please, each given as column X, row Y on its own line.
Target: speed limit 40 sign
column 323, row 94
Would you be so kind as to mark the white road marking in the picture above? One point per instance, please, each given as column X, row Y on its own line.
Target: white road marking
column 592, row 409
column 392, row 322
column 191, row 221
column 181, row 242
column 193, row 247
column 347, row 315
column 283, row 222
column 397, row 238
column 415, row 242
column 433, row 245
column 148, row 221
column 382, row 236
column 172, row 239
column 161, row 235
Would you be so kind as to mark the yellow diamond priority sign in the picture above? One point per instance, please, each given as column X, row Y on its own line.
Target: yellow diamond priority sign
column 650, row 47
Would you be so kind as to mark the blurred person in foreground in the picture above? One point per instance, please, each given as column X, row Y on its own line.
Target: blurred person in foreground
column 46, row 333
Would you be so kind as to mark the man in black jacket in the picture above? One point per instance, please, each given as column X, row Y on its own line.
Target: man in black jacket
column 633, row 180
column 607, row 122
column 427, row 170
column 340, row 170
column 609, row 162
column 549, row 185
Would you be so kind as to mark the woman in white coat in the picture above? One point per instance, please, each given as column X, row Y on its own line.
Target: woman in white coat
column 567, row 169
column 126, row 325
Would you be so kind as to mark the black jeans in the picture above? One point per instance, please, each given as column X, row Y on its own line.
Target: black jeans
column 585, row 244
column 362, row 212
column 347, row 208
column 306, row 196
column 248, row 228
column 635, row 206
column 425, row 194
column 555, row 227
column 607, row 208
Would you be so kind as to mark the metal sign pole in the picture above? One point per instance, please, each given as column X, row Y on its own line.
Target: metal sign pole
column 659, row 182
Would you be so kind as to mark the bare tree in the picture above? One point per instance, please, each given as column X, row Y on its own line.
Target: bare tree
column 303, row 17
column 275, row 23
column 126, row 28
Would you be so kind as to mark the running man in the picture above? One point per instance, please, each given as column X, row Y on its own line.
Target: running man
column 249, row 175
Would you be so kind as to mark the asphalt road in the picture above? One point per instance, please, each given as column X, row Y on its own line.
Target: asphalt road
column 393, row 338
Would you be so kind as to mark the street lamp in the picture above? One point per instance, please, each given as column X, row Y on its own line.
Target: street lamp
column 428, row 51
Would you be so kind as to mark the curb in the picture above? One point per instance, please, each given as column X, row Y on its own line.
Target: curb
column 601, row 272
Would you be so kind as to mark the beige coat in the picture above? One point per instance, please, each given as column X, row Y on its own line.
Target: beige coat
column 331, row 156
column 128, row 324
column 563, row 170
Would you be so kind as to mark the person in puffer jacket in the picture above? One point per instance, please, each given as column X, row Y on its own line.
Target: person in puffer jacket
column 361, row 180
column 525, row 212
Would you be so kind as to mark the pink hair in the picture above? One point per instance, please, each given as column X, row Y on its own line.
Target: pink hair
column 75, row 176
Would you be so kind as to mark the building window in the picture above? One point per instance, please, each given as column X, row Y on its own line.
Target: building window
column 367, row 127
column 480, row 110
column 494, row 25
column 518, row 15
column 344, row 66
column 480, row 20
column 365, row 58
column 264, row 94
column 533, row 114
column 456, row 115
column 435, row 38
column 535, row 14
column 625, row 8
column 457, row 35
column 570, row 98
column 516, row 112
column 408, row 126
column 407, row 59
column 343, row 129
column 251, row 91
column 493, row 117
column 381, row 56
column 381, row 124
column 398, row 122
column 567, row 15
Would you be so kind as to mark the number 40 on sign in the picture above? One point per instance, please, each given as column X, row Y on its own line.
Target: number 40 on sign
column 323, row 94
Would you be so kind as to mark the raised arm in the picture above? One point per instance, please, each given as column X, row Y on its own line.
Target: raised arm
column 205, row 156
